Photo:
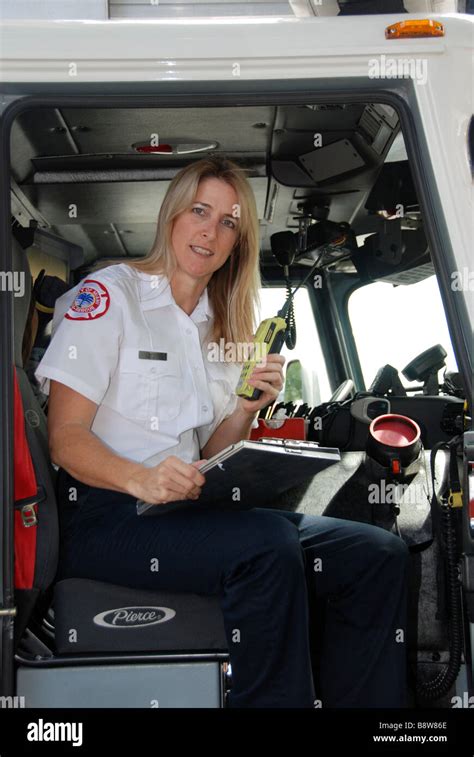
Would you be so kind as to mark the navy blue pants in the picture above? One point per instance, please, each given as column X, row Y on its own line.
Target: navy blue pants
column 267, row 567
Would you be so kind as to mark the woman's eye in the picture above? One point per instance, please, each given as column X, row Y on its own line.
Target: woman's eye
column 227, row 221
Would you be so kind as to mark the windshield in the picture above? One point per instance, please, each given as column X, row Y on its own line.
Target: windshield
column 393, row 324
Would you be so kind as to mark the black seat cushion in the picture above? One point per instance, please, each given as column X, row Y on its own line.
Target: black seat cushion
column 91, row 616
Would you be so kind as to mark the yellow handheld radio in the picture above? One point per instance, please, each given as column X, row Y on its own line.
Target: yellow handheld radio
column 268, row 339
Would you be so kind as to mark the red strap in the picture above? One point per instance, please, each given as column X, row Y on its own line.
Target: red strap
column 25, row 487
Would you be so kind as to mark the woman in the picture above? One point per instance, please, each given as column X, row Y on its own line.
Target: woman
column 134, row 404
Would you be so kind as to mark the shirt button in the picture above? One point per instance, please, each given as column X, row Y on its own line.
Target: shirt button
column 188, row 331
column 204, row 408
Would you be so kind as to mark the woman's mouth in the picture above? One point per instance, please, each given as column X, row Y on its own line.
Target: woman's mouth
column 202, row 251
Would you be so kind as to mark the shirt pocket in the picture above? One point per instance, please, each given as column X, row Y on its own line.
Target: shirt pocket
column 149, row 389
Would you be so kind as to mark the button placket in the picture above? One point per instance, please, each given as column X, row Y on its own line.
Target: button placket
column 167, row 384
column 202, row 405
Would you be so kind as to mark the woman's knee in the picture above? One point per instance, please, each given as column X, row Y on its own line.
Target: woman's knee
column 394, row 545
column 387, row 548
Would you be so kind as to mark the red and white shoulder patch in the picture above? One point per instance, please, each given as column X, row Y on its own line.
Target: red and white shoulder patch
column 91, row 301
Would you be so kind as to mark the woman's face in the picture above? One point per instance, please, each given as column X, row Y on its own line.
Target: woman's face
column 204, row 235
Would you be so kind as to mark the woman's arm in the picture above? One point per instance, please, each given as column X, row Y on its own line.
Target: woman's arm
column 234, row 428
column 268, row 378
column 74, row 447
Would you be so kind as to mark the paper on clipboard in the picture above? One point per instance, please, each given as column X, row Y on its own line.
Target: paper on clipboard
column 252, row 473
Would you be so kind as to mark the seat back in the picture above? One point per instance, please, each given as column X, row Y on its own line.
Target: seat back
column 47, row 540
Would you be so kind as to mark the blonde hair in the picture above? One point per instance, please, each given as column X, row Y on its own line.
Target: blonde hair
column 233, row 290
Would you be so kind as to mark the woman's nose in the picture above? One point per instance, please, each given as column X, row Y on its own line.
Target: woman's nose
column 210, row 229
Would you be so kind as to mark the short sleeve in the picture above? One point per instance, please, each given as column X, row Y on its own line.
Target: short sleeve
column 86, row 334
column 224, row 400
column 232, row 398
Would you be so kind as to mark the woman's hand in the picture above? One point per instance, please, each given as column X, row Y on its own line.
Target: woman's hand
column 268, row 377
column 169, row 481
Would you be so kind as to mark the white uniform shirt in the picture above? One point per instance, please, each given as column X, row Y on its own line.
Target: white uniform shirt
column 120, row 339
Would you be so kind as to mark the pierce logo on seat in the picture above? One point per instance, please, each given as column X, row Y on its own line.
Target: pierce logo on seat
column 133, row 617
column 91, row 301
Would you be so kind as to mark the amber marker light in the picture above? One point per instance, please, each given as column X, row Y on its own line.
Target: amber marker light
column 425, row 27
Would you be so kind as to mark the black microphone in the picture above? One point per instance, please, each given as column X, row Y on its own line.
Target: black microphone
column 284, row 247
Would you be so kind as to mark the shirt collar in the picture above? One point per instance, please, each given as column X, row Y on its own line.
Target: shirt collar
column 155, row 292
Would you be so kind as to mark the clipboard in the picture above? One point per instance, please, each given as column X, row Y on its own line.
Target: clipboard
column 252, row 474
